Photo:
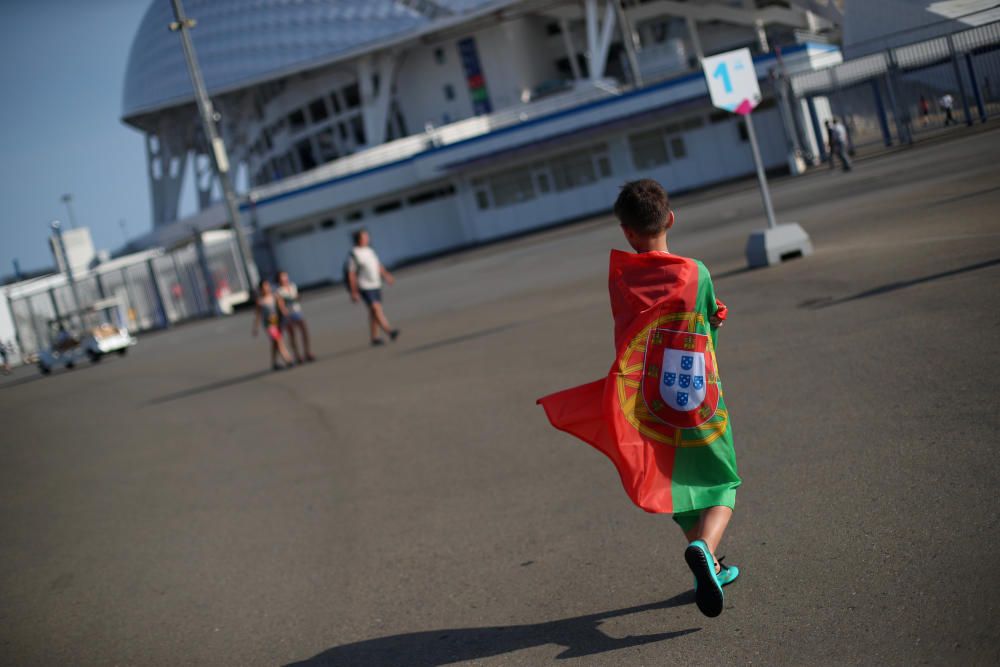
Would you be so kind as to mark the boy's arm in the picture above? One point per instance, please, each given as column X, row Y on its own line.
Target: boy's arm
column 385, row 274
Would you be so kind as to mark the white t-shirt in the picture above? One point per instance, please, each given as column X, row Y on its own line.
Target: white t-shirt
column 364, row 262
column 947, row 101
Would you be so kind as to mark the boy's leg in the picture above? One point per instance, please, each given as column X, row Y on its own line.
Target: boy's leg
column 290, row 330
column 379, row 316
column 372, row 322
column 710, row 528
column 305, row 339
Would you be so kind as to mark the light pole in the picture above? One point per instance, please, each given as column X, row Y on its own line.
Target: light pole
column 57, row 230
column 124, row 228
column 217, row 148
column 68, row 200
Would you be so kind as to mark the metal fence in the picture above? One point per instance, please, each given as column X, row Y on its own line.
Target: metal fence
column 158, row 288
column 895, row 95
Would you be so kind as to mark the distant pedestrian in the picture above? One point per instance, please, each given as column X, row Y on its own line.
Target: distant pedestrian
column 269, row 310
column 836, row 134
column 295, row 321
column 4, row 351
column 364, row 277
column 925, row 110
column 947, row 103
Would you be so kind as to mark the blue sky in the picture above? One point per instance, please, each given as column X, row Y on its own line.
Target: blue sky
column 62, row 67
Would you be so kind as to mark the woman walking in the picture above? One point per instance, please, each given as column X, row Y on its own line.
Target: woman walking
column 270, row 309
column 294, row 319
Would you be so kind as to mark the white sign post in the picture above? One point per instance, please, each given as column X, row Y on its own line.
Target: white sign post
column 732, row 84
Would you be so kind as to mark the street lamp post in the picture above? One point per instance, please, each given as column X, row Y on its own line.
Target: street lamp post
column 68, row 199
column 217, row 148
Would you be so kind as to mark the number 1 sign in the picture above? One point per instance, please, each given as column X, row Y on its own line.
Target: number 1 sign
column 732, row 81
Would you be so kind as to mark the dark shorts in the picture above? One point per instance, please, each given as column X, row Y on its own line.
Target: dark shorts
column 371, row 296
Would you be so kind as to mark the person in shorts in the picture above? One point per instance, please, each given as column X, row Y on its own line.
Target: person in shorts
column 365, row 274
column 295, row 321
column 269, row 311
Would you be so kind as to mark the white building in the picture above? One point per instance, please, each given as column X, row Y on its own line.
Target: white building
column 443, row 123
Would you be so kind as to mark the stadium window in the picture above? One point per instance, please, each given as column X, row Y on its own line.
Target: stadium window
column 327, row 145
column 431, row 195
column 342, row 127
column 305, row 152
column 351, row 96
column 648, row 149
column 678, row 148
column 296, row 120
column 553, row 28
column 603, row 166
column 335, row 101
column 387, row 207
column 358, row 128
column 318, row 111
column 573, row 170
column 719, row 117
column 449, row 92
column 511, row 187
column 482, row 200
column 439, row 56
column 742, row 128
column 543, row 183
column 692, row 123
column 354, row 216
column 329, row 223
column 300, row 231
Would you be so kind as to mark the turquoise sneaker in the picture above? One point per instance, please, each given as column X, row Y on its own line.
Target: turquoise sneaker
column 707, row 590
column 727, row 573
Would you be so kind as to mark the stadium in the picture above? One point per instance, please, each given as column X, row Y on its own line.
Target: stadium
column 442, row 124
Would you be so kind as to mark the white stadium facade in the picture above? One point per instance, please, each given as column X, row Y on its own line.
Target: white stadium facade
column 439, row 124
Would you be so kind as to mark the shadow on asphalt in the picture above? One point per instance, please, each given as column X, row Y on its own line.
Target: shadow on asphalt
column 79, row 368
column 240, row 379
column 827, row 302
column 460, row 339
column 580, row 635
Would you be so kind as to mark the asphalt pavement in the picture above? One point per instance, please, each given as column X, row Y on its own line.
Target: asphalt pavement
column 410, row 504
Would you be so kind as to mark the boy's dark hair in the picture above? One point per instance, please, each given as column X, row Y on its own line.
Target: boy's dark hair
column 357, row 234
column 643, row 206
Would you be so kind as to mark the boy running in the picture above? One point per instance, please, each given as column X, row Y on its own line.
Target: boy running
column 364, row 276
column 659, row 415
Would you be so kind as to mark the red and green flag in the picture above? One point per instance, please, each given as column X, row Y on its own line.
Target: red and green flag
column 659, row 415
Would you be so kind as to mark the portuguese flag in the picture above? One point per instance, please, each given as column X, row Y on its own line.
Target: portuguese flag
column 659, row 415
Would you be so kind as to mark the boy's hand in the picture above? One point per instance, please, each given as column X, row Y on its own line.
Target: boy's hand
column 716, row 321
column 355, row 297
column 389, row 279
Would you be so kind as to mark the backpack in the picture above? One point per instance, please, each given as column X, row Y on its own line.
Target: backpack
column 347, row 270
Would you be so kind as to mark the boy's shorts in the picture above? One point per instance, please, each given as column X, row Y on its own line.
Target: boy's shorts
column 687, row 520
column 371, row 296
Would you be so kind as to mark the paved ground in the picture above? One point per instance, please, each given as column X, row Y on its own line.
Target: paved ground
column 411, row 506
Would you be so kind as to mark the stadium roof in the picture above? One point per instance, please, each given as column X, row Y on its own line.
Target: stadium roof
column 245, row 42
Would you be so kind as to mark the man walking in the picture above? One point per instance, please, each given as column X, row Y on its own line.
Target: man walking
column 364, row 277
column 837, row 141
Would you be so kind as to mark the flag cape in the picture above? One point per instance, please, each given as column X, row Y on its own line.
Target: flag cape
column 659, row 415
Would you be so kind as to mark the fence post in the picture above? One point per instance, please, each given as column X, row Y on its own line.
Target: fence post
column 160, row 306
column 899, row 115
column 206, row 272
column 883, row 119
column 817, row 130
column 978, row 94
column 958, row 80
column 100, row 285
